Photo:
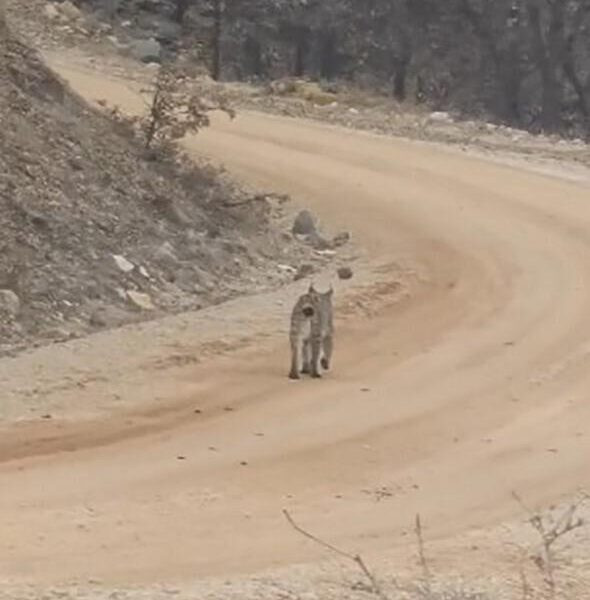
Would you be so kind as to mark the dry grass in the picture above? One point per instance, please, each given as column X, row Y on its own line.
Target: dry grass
column 551, row 579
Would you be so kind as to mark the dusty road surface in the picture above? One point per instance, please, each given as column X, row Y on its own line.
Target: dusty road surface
column 443, row 404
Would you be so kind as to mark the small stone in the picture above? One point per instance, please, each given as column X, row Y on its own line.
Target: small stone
column 340, row 239
column 9, row 303
column 286, row 268
column 345, row 273
column 303, row 271
column 51, row 11
column 140, row 300
column 70, row 10
column 123, row 264
column 440, row 117
column 325, row 252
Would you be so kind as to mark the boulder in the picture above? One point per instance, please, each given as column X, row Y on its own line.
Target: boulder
column 147, row 51
column 304, row 224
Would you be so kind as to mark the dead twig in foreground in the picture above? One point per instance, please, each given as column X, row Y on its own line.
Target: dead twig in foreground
column 355, row 558
column 550, row 531
column 426, row 574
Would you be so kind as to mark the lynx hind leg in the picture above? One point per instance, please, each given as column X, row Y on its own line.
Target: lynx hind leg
column 316, row 349
column 295, row 355
column 306, row 366
column 328, row 348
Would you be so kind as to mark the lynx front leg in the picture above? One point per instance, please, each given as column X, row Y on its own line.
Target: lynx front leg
column 295, row 354
column 306, row 367
column 328, row 347
column 316, row 348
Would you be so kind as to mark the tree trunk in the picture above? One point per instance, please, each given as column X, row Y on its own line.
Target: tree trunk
column 506, row 67
column 328, row 56
column 180, row 8
column 300, row 55
column 253, row 57
column 399, row 80
column 545, row 52
column 569, row 68
column 401, row 67
column 216, row 39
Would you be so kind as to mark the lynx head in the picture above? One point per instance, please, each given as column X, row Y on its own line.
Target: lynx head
column 309, row 302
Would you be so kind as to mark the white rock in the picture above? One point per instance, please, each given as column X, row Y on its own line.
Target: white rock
column 286, row 268
column 51, row 11
column 141, row 300
column 123, row 264
column 440, row 117
column 69, row 10
column 9, row 302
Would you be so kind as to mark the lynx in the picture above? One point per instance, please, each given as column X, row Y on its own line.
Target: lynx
column 311, row 333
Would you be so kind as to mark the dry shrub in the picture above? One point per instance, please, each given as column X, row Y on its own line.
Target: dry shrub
column 175, row 106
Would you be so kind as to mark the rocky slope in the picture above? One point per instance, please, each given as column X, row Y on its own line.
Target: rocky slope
column 95, row 235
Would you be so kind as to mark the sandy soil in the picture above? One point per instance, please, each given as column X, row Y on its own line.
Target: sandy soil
column 461, row 373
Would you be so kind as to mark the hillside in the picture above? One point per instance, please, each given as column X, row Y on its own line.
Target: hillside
column 94, row 234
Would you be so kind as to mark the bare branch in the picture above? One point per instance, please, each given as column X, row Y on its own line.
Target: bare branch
column 550, row 531
column 356, row 558
column 426, row 574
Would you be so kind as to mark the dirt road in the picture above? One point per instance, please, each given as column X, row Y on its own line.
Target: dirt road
column 441, row 404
